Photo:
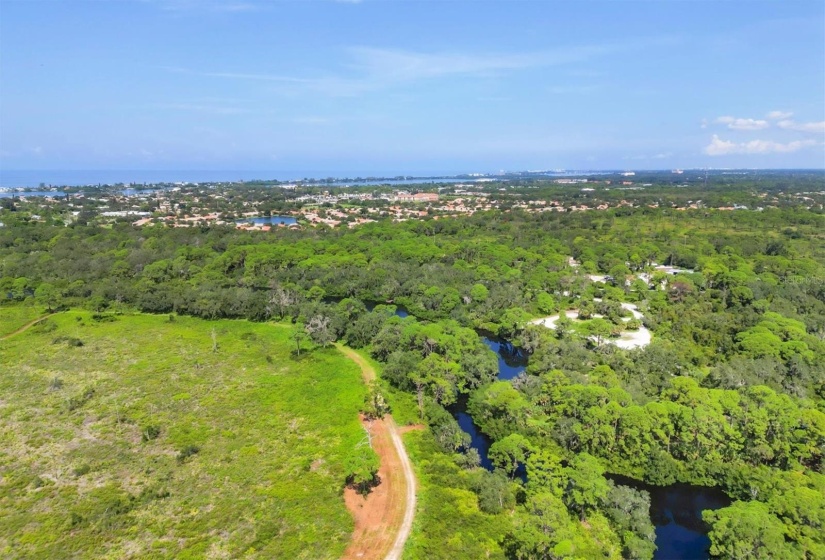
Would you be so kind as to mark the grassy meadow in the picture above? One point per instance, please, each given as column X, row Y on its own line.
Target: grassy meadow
column 132, row 436
column 12, row 318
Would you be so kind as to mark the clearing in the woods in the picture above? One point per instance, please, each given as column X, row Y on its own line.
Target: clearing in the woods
column 145, row 436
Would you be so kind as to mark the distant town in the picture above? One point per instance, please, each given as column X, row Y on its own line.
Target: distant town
column 264, row 206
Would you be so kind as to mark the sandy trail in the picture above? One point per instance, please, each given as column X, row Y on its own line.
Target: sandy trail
column 27, row 326
column 383, row 520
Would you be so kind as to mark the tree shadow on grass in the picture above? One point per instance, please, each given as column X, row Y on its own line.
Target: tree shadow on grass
column 303, row 356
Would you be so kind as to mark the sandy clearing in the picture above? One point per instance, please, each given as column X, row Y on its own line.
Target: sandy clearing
column 628, row 339
column 550, row 322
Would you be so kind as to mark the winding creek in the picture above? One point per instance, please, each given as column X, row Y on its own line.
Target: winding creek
column 675, row 510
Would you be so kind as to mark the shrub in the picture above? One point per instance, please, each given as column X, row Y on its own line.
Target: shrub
column 79, row 400
column 70, row 341
column 375, row 405
column 149, row 494
column 150, row 432
column 103, row 318
column 187, row 452
column 361, row 467
column 46, row 326
column 633, row 325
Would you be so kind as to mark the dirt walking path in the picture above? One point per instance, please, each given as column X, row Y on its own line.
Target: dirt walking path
column 383, row 520
column 27, row 326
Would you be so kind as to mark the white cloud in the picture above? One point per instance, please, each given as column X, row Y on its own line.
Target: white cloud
column 663, row 155
column 779, row 115
column 312, row 120
column 402, row 65
column 719, row 147
column 571, row 90
column 372, row 69
column 802, row 127
column 742, row 124
column 220, row 6
column 202, row 108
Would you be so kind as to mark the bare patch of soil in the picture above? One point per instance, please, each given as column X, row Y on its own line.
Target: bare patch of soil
column 380, row 514
column 383, row 519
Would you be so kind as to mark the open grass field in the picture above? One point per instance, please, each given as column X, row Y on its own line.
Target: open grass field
column 14, row 317
column 144, row 442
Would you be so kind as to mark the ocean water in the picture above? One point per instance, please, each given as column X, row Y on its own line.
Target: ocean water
column 15, row 178
column 33, row 179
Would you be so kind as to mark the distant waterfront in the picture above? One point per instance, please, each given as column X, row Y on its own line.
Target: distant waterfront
column 94, row 177
column 33, row 179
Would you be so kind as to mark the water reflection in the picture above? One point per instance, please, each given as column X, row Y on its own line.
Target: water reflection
column 676, row 512
column 512, row 360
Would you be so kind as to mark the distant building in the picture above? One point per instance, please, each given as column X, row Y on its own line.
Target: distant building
column 425, row 197
column 418, row 197
column 123, row 214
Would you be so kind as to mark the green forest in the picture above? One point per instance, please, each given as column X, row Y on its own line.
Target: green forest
column 730, row 393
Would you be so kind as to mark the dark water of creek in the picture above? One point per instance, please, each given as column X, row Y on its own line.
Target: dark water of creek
column 511, row 362
column 675, row 510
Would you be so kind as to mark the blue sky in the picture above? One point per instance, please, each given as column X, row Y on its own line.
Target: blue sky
column 411, row 87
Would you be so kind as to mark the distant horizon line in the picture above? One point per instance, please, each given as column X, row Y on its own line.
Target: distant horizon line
column 52, row 178
column 407, row 174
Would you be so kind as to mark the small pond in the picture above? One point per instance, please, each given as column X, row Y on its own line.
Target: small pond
column 272, row 220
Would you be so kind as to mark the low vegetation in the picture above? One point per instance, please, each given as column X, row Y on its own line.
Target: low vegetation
column 143, row 442
column 18, row 316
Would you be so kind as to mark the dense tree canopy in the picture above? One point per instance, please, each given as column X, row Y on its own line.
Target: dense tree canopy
column 731, row 391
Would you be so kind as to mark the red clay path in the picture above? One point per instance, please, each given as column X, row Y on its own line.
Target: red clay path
column 383, row 520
